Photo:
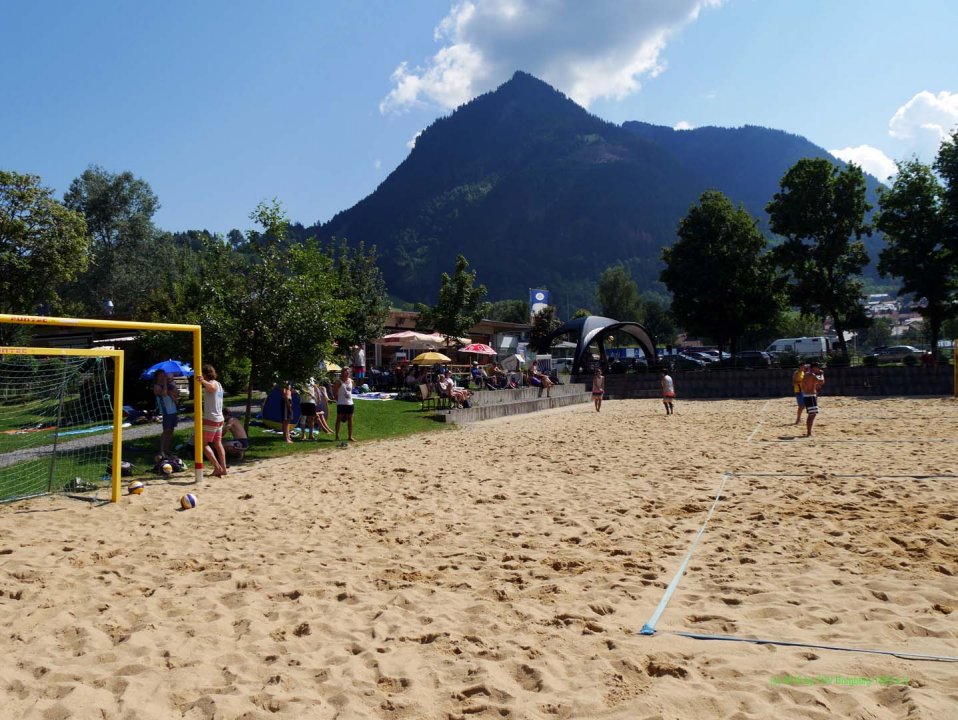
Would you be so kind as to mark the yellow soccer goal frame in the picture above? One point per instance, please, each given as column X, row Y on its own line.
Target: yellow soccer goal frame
column 197, row 334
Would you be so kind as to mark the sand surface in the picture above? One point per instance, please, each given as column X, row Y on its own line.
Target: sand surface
column 503, row 570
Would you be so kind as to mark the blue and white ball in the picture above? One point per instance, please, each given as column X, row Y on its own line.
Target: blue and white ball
column 188, row 501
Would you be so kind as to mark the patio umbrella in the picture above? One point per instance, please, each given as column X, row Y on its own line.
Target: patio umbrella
column 330, row 367
column 478, row 349
column 170, row 367
column 430, row 358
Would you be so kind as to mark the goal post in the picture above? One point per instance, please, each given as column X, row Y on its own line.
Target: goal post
column 194, row 330
column 58, row 385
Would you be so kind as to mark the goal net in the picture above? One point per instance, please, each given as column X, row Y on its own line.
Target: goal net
column 57, row 421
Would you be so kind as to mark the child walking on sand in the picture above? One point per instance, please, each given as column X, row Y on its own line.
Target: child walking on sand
column 598, row 388
column 668, row 392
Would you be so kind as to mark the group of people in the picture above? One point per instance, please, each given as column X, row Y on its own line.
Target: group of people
column 216, row 418
column 314, row 406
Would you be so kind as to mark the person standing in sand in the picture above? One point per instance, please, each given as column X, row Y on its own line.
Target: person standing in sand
column 287, row 410
column 811, row 384
column 213, row 419
column 668, row 392
column 343, row 391
column 598, row 388
column 164, row 388
column 797, row 389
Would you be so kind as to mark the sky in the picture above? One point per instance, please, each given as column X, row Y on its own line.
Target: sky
column 221, row 104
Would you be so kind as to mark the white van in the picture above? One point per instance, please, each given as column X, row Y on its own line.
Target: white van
column 800, row 346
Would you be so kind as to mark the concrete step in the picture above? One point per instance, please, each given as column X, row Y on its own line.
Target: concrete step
column 490, row 404
column 482, row 398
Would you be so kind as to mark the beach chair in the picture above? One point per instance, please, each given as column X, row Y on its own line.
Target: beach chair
column 426, row 398
column 443, row 401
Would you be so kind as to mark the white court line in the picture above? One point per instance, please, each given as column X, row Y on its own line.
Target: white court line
column 878, row 476
column 759, row 423
column 863, row 442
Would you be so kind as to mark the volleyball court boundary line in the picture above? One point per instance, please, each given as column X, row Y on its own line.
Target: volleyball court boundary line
column 648, row 629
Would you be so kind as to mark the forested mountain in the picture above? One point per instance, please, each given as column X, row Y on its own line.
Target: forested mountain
column 537, row 192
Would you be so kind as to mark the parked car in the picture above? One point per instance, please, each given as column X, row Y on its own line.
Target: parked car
column 896, row 353
column 702, row 355
column 751, row 359
column 682, row 361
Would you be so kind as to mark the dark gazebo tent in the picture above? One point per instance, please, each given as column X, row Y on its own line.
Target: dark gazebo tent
column 585, row 330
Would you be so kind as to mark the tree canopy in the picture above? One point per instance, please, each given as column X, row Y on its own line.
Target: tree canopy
column 913, row 217
column 820, row 211
column 514, row 311
column 721, row 279
column 544, row 323
column 618, row 295
column 460, row 304
column 42, row 244
column 130, row 259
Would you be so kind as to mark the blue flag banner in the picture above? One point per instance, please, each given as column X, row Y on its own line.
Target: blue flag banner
column 538, row 300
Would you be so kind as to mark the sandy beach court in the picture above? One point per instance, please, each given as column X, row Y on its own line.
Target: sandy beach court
column 505, row 569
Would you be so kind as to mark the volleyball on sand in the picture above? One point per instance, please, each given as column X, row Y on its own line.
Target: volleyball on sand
column 167, row 468
column 136, row 488
column 188, row 501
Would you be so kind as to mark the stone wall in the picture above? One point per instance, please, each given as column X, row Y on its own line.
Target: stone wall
column 856, row 381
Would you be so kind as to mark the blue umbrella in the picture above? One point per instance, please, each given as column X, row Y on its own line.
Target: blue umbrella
column 170, row 367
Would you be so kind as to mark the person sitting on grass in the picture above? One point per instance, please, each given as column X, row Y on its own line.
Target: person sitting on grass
column 240, row 442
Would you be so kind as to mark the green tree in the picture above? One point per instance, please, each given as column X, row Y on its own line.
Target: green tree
column 286, row 307
column 618, row 295
column 657, row 319
column 362, row 293
column 129, row 258
column 581, row 313
column 544, row 323
column 722, row 281
column 514, row 311
column 42, row 244
column 460, row 304
column 820, row 211
column 946, row 165
column 913, row 219
column 791, row 323
column 877, row 334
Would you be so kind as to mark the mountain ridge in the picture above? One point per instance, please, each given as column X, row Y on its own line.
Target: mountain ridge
column 535, row 191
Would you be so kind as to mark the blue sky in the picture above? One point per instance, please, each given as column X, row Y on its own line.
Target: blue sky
column 220, row 104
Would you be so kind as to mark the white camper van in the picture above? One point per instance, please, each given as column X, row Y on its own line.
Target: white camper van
column 800, row 346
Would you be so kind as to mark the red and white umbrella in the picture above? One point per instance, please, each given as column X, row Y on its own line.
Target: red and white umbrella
column 478, row 349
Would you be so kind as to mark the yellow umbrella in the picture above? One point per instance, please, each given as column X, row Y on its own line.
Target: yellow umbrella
column 331, row 367
column 430, row 358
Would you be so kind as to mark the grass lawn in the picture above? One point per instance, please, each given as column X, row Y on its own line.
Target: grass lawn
column 372, row 421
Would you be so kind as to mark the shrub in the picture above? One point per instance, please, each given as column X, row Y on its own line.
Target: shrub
column 788, row 360
column 870, row 361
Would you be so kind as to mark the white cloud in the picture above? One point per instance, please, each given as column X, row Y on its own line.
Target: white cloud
column 870, row 159
column 926, row 120
column 683, row 125
column 412, row 143
column 599, row 48
column 377, row 163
